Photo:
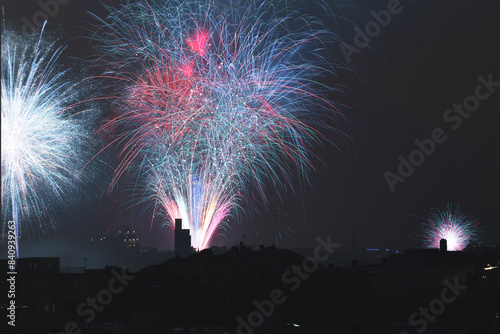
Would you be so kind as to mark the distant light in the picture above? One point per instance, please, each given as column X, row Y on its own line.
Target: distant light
column 387, row 249
column 490, row 267
column 397, row 251
column 293, row 324
column 372, row 249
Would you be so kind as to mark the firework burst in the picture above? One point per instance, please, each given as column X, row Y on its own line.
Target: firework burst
column 41, row 133
column 458, row 228
column 211, row 104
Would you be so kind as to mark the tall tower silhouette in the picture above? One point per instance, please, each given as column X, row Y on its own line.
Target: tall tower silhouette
column 182, row 239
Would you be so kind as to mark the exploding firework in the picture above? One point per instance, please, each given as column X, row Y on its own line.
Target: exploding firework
column 211, row 104
column 458, row 228
column 40, row 132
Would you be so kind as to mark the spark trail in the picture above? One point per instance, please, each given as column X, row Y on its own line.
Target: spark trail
column 211, row 104
column 40, row 132
column 451, row 224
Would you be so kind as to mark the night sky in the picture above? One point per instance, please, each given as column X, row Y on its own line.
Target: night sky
column 395, row 90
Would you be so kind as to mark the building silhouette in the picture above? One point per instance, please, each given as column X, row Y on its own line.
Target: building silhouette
column 182, row 239
column 208, row 292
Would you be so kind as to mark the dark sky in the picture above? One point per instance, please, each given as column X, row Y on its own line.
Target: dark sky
column 396, row 90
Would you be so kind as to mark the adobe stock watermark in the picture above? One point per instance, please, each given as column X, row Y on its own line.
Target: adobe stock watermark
column 453, row 117
column 223, row 5
column 49, row 9
column 293, row 278
column 88, row 308
column 372, row 29
column 436, row 307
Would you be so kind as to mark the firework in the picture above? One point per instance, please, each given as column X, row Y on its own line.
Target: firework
column 212, row 104
column 40, row 134
column 458, row 228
